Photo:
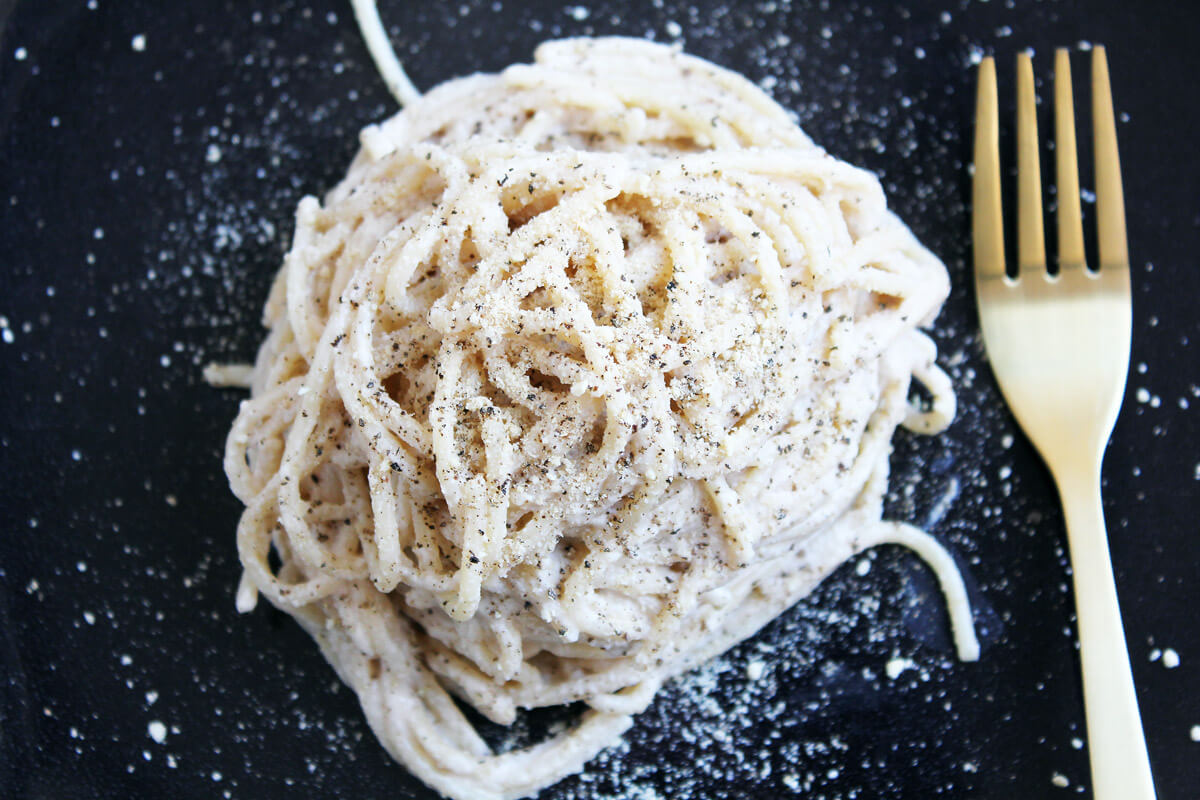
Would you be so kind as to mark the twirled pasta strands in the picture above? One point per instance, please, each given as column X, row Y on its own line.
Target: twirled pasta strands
column 576, row 380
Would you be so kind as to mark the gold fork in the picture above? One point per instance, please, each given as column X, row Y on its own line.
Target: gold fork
column 1059, row 347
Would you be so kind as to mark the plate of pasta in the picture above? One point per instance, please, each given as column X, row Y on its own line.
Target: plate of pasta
column 495, row 401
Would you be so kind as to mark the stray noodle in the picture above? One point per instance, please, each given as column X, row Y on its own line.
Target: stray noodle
column 584, row 373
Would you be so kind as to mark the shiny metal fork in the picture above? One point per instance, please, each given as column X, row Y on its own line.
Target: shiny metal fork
column 1059, row 347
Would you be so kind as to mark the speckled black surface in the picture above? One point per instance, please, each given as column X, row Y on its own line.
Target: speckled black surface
column 145, row 202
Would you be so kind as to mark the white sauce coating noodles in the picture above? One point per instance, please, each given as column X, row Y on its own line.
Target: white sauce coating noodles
column 584, row 373
column 366, row 13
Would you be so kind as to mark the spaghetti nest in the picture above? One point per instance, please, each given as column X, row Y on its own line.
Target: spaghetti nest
column 585, row 372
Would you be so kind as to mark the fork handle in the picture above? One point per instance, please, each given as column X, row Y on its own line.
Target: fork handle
column 1116, row 743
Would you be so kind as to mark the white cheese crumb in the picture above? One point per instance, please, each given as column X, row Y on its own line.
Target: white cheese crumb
column 1170, row 659
column 754, row 670
column 157, row 731
column 1060, row 780
column 1077, row 743
column 151, row 698
column 578, row 13
column 20, row 54
column 863, row 566
column 1196, row 733
column 139, row 43
column 674, row 29
column 213, row 154
column 897, row 666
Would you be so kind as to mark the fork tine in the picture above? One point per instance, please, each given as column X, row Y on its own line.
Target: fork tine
column 1031, row 239
column 1110, row 203
column 1070, row 217
column 987, row 223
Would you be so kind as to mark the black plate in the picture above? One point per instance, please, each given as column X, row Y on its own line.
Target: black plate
column 146, row 200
